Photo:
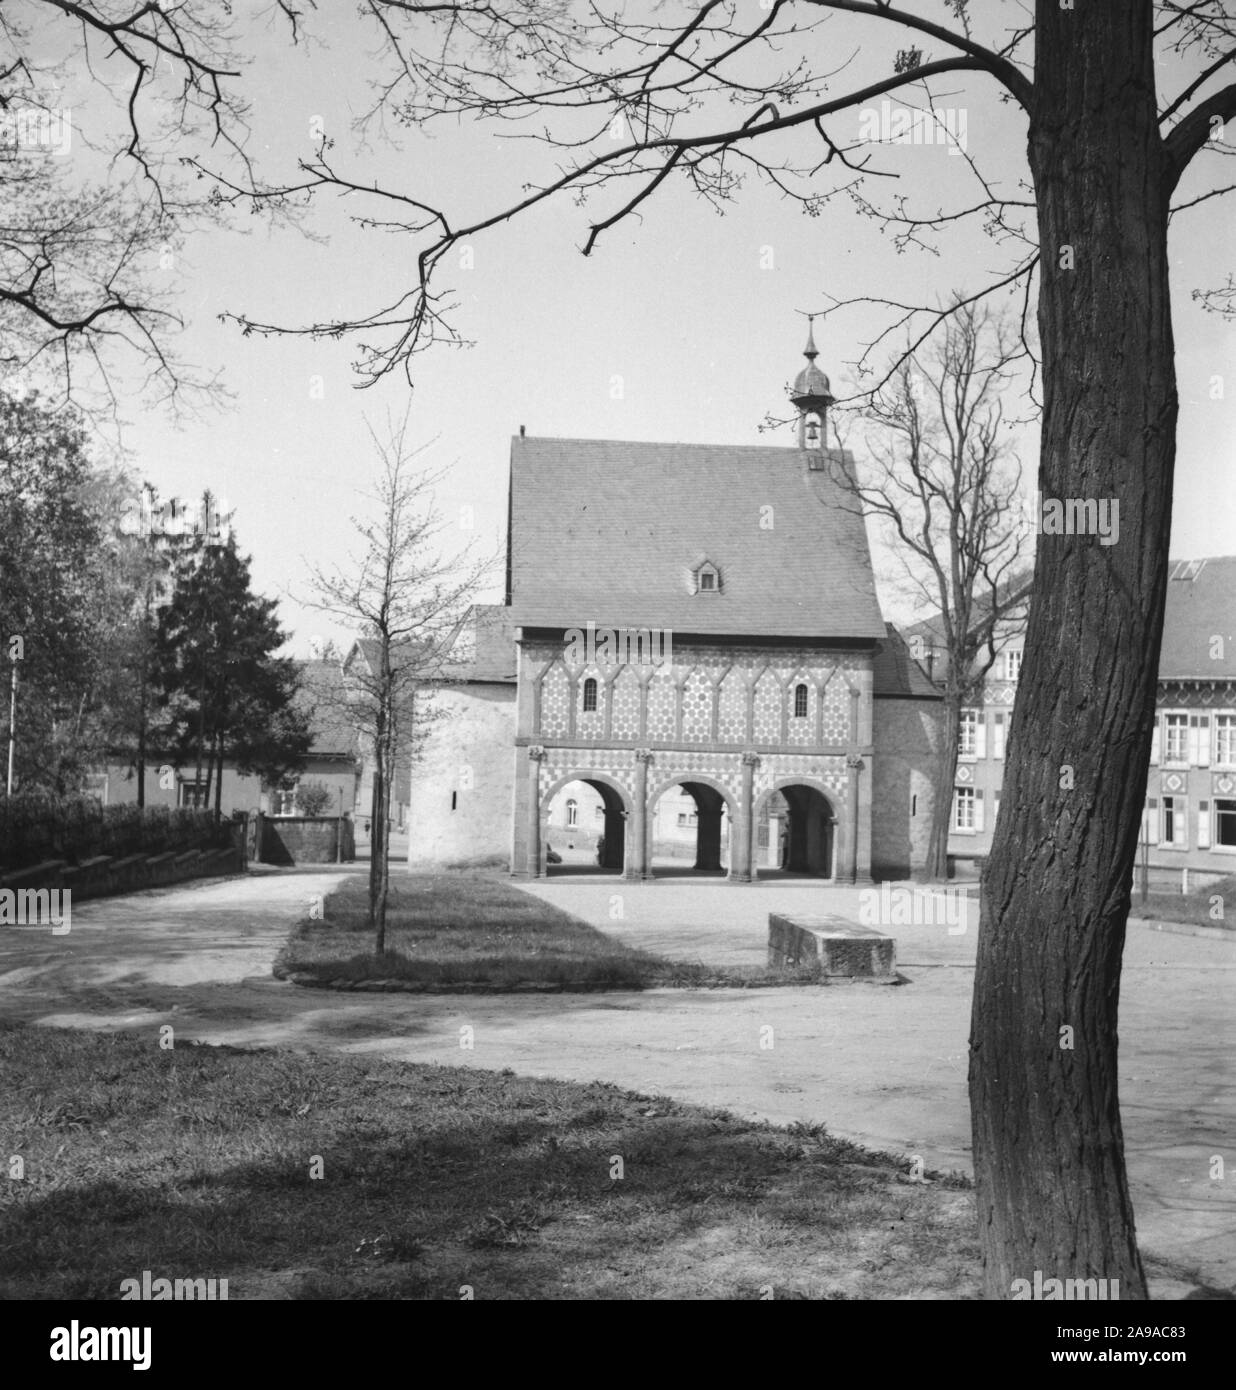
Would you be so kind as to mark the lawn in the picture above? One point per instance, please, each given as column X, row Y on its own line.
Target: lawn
column 195, row 1163
column 1196, row 907
column 453, row 931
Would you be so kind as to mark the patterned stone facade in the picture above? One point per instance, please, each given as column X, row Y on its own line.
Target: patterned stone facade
column 740, row 718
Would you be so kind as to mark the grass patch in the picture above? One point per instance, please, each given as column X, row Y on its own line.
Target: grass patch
column 1195, row 907
column 195, row 1163
column 457, row 931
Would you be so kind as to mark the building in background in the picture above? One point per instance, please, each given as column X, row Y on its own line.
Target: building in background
column 1189, row 821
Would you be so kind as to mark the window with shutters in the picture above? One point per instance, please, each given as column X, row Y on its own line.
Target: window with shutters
column 1225, row 824
column 964, row 809
column 1012, row 665
column 1176, row 739
column 1199, row 740
column 1172, row 834
column 968, row 734
column 1225, row 740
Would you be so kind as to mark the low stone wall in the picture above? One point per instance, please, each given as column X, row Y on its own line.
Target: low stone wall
column 104, row 876
column 306, row 840
column 842, row 948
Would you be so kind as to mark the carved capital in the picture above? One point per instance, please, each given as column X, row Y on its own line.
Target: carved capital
column 854, row 760
column 751, row 759
column 644, row 755
column 535, row 752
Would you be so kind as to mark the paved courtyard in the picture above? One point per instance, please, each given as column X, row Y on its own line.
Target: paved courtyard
column 883, row 1065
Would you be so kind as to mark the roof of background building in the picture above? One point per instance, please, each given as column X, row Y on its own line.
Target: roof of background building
column 1201, row 605
column 322, row 696
column 610, row 532
column 485, row 647
column 897, row 676
column 1011, row 591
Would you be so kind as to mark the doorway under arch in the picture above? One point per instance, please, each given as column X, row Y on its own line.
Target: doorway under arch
column 584, row 824
column 689, row 830
column 797, row 832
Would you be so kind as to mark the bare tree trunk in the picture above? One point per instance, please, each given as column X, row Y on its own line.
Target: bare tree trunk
column 210, row 770
column 142, row 698
column 1048, row 1146
column 218, row 781
column 946, row 776
column 379, row 849
column 201, row 735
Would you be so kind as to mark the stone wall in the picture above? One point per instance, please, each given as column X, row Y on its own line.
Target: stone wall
column 306, row 840
column 459, row 808
column 907, row 740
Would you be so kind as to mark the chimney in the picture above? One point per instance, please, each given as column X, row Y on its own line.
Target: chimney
column 521, row 431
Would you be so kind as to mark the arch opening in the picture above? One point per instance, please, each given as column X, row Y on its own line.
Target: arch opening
column 689, row 830
column 796, row 833
column 584, row 829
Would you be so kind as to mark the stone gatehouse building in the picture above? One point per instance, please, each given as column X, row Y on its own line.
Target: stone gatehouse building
column 685, row 618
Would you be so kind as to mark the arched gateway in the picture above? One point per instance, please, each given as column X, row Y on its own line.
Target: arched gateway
column 687, row 629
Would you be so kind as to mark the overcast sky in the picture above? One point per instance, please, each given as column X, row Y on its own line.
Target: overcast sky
column 700, row 315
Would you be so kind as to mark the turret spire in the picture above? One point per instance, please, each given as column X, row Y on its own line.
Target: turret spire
column 811, row 396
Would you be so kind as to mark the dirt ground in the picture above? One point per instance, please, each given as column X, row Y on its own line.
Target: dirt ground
column 884, row 1065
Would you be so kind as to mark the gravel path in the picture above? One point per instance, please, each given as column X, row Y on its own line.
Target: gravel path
column 883, row 1065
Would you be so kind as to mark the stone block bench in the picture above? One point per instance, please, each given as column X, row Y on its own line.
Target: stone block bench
column 841, row 947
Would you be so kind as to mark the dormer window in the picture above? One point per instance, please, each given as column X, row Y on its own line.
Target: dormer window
column 707, row 578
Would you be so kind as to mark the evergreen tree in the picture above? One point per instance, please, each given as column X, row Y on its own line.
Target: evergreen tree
column 225, row 692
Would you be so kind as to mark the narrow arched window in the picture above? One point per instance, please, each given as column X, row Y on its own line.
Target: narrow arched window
column 590, row 694
column 800, row 702
column 572, row 812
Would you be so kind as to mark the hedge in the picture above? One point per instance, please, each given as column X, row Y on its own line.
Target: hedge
column 35, row 826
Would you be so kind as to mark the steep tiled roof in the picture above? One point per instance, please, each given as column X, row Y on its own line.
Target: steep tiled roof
column 1201, row 605
column 322, row 697
column 1012, row 590
column 1199, row 609
column 896, row 675
column 369, row 649
column 484, row 650
column 609, row 532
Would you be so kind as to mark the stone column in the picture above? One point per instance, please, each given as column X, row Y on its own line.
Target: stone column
column 707, row 829
column 849, row 871
column 535, row 754
column 637, row 854
column 745, row 826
